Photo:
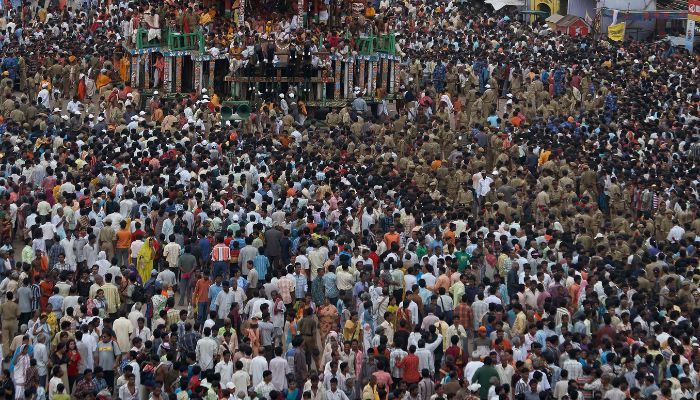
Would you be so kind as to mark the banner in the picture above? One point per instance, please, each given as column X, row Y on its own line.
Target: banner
column 300, row 6
column 614, row 17
column 241, row 13
column 616, row 32
column 690, row 35
column 694, row 10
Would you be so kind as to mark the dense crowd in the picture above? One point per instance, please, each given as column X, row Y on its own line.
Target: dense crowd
column 521, row 224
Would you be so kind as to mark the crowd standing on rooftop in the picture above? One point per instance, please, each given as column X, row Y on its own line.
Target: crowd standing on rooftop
column 522, row 224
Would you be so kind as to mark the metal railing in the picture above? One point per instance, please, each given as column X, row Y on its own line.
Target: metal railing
column 186, row 41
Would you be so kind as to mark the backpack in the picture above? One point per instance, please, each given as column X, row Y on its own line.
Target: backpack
column 139, row 294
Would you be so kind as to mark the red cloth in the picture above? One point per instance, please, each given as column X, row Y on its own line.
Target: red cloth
column 410, row 368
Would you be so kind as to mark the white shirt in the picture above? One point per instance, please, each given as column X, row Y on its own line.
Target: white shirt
column 484, row 186
column 41, row 356
column 257, row 366
column 337, row 395
column 53, row 386
column 223, row 302
column 675, row 234
column 47, row 231
column 206, row 347
column 470, row 369
column 279, row 368
column 225, row 369
column 241, row 380
column 413, row 308
column 167, row 277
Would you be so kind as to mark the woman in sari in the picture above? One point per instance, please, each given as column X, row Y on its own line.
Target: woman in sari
column 144, row 260
column 102, row 79
column 19, row 366
column 328, row 318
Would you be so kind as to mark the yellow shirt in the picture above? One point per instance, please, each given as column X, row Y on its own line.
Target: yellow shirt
column 370, row 393
column 112, row 300
column 351, row 330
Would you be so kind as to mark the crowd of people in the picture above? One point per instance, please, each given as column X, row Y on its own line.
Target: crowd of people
column 521, row 224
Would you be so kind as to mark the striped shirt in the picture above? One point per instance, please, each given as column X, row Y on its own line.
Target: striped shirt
column 261, row 264
column 286, row 286
column 221, row 252
column 300, row 286
column 521, row 387
column 479, row 308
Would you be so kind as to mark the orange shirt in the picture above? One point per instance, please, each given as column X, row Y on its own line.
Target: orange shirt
column 457, row 105
column 573, row 292
column 201, row 291
column 443, row 281
column 505, row 343
column 390, row 238
column 449, row 237
column 123, row 239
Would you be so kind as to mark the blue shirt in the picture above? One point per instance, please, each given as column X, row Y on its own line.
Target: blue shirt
column 56, row 302
column 425, row 295
column 214, row 291
column 330, row 285
column 242, row 282
column 261, row 264
column 204, row 248
column 492, row 120
column 358, row 289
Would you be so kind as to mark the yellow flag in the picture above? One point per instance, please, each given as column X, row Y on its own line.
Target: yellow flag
column 616, row 32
